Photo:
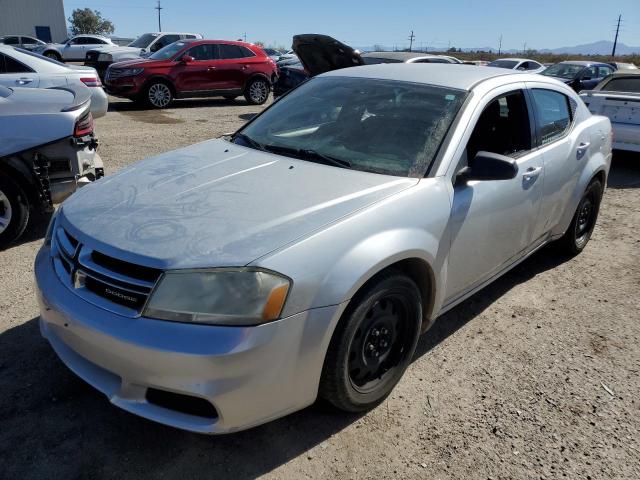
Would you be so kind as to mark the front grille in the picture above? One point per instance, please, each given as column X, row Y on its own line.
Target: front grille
column 113, row 283
column 92, row 56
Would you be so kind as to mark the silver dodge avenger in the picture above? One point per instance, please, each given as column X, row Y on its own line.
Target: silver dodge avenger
column 226, row 284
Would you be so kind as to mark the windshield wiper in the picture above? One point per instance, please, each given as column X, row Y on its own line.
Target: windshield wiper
column 306, row 154
column 249, row 141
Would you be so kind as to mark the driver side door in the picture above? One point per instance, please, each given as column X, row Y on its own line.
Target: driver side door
column 494, row 222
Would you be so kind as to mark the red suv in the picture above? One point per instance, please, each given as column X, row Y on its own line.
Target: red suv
column 195, row 68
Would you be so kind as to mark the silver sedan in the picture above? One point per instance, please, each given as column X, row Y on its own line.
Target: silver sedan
column 220, row 286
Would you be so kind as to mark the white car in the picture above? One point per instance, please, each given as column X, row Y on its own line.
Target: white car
column 20, row 68
column 22, row 41
column 618, row 97
column 73, row 49
column 520, row 64
column 101, row 57
column 372, row 58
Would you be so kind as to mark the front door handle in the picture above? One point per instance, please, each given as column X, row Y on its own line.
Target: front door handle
column 24, row 81
column 531, row 173
column 211, row 69
column 582, row 149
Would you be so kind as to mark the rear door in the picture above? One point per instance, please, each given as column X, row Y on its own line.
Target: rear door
column 16, row 74
column 235, row 66
column 565, row 147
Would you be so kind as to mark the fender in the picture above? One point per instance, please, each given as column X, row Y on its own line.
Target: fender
column 598, row 164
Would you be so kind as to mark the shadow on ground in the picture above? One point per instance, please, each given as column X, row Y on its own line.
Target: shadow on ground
column 56, row 426
column 625, row 170
column 122, row 105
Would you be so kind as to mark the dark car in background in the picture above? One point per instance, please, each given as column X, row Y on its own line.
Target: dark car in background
column 579, row 75
column 195, row 68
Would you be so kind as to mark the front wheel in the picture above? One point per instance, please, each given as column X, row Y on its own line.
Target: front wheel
column 158, row 95
column 584, row 220
column 257, row 92
column 373, row 344
column 14, row 211
column 53, row 56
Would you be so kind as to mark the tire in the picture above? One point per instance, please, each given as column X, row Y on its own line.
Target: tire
column 257, row 91
column 53, row 55
column 230, row 98
column 373, row 344
column 158, row 94
column 14, row 211
column 577, row 236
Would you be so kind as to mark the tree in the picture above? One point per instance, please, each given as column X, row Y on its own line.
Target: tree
column 85, row 20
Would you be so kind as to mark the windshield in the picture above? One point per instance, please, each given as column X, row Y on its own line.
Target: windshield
column 510, row 64
column 563, row 70
column 376, row 60
column 380, row 126
column 143, row 41
column 168, row 52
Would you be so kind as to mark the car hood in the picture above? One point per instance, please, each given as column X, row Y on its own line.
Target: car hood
column 321, row 53
column 141, row 62
column 116, row 50
column 216, row 204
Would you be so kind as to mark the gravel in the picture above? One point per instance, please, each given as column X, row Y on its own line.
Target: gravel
column 536, row 376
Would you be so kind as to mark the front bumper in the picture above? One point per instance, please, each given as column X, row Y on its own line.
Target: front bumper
column 249, row 374
column 127, row 87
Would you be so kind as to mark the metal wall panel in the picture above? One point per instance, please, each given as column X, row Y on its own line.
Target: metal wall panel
column 20, row 17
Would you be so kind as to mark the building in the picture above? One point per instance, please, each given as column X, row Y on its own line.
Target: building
column 43, row 19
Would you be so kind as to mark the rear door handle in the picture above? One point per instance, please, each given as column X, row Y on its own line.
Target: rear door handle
column 211, row 69
column 582, row 149
column 531, row 173
column 24, row 81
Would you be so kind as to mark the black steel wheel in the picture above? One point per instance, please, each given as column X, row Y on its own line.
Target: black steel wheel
column 373, row 344
column 584, row 220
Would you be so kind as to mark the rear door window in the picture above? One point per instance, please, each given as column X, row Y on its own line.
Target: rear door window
column 9, row 65
column 553, row 114
column 11, row 41
column 604, row 71
column 164, row 41
column 228, row 52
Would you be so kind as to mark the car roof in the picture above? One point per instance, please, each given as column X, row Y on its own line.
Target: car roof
column 403, row 56
column 584, row 63
column 514, row 60
column 461, row 77
column 200, row 41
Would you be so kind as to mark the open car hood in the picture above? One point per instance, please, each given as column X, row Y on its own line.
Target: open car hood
column 321, row 53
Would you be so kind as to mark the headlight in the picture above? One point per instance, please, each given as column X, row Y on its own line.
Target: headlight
column 104, row 57
column 52, row 223
column 221, row 296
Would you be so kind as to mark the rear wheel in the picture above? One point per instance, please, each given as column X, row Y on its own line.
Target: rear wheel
column 158, row 95
column 257, row 91
column 53, row 55
column 584, row 220
column 373, row 344
column 14, row 211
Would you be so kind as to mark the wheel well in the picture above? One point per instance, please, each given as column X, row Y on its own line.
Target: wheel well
column 52, row 51
column 600, row 176
column 21, row 177
column 420, row 272
column 253, row 77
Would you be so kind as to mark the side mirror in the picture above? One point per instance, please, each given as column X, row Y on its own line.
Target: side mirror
column 187, row 59
column 489, row 166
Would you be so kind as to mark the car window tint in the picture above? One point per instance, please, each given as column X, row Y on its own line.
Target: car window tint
column 502, row 128
column 604, row 71
column 203, row 52
column 13, row 66
column 164, row 41
column 230, row 51
column 590, row 72
column 29, row 41
column 377, row 60
column 553, row 114
column 246, row 52
column 624, row 84
column 190, row 36
column 11, row 41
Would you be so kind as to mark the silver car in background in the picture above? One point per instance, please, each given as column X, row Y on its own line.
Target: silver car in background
column 223, row 285
column 30, row 70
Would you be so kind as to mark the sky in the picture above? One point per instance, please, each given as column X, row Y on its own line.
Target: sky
column 436, row 24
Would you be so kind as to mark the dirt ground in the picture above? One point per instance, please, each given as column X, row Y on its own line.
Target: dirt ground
column 535, row 377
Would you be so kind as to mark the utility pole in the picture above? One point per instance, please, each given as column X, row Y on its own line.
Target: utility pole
column 411, row 39
column 500, row 45
column 524, row 49
column 158, row 8
column 615, row 42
